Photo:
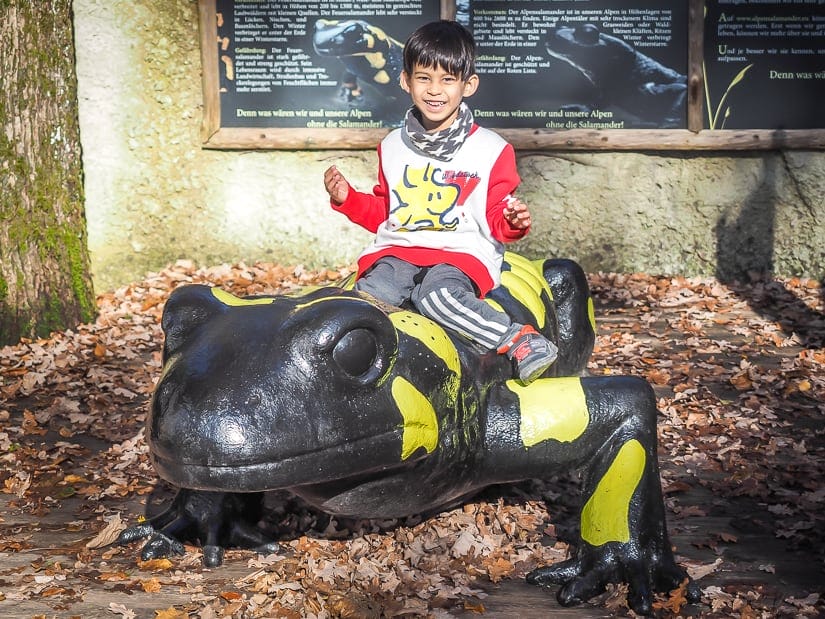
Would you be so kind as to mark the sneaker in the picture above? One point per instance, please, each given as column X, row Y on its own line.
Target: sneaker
column 530, row 350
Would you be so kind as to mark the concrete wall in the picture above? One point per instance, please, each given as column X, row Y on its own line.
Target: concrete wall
column 154, row 195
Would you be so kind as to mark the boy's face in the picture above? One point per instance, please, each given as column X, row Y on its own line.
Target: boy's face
column 437, row 94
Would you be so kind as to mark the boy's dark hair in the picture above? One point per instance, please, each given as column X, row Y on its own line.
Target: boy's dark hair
column 441, row 44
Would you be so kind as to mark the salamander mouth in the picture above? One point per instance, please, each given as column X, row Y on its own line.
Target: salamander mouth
column 361, row 456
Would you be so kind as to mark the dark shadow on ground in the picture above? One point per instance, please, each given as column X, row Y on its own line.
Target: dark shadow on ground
column 745, row 262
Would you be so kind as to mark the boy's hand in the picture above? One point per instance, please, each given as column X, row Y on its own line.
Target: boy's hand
column 336, row 185
column 516, row 213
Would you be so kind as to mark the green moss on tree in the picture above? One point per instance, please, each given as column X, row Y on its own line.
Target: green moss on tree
column 42, row 224
column 78, row 265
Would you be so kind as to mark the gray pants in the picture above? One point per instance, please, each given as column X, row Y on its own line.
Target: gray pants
column 442, row 293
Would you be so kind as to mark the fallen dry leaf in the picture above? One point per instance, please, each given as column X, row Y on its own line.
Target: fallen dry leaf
column 475, row 608
column 156, row 565
column 676, row 600
column 152, row 585
column 352, row 607
column 113, row 576
column 108, row 535
column 697, row 572
column 123, row 611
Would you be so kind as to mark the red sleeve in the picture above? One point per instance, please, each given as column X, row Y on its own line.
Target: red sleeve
column 368, row 210
column 504, row 179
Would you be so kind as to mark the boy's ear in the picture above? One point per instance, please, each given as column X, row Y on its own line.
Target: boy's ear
column 403, row 81
column 471, row 85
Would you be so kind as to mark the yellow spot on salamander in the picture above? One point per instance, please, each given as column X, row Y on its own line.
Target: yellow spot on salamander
column 537, row 266
column 532, row 270
column 591, row 314
column 301, row 306
column 526, row 282
column 348, row 283
column 605, row 515
column 523, row 292
column 429, row 333
column 551, row 408
column 230, row 299
column 494, row 304
column 377, row 60
column 420, row 422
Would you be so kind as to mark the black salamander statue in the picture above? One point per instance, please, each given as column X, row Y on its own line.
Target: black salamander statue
column 373, row 411
column 620, row 76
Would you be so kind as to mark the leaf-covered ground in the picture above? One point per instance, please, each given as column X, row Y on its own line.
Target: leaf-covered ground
column 738, row 371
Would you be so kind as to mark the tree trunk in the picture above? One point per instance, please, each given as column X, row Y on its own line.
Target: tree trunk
column 45, row 281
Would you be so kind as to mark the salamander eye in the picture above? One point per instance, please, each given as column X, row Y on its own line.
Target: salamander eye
column 355, row 353
column 587, row 34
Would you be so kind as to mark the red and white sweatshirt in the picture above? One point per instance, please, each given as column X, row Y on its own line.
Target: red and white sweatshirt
column 428, row 212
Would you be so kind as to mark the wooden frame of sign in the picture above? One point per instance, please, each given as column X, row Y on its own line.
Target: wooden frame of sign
column 527, row 127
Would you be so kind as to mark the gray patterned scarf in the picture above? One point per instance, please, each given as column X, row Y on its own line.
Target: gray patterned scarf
column 441, row 145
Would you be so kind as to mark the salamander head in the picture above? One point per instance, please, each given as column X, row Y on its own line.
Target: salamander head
column 275, row 392
column 589, row 51
column 341, row 38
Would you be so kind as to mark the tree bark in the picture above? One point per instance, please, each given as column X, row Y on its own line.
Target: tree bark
column 45, row 281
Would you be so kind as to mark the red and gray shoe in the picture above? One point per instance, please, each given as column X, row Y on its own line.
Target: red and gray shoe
column 531, row 352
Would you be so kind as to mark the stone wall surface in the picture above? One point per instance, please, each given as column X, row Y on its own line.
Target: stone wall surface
column 153, row 195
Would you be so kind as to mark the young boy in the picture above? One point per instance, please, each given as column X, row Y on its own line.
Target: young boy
column 443, row 207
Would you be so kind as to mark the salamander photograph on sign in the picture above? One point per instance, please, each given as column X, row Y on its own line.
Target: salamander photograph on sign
column 590, row 64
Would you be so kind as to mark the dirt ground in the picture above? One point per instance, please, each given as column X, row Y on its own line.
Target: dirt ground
column 738, row 370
